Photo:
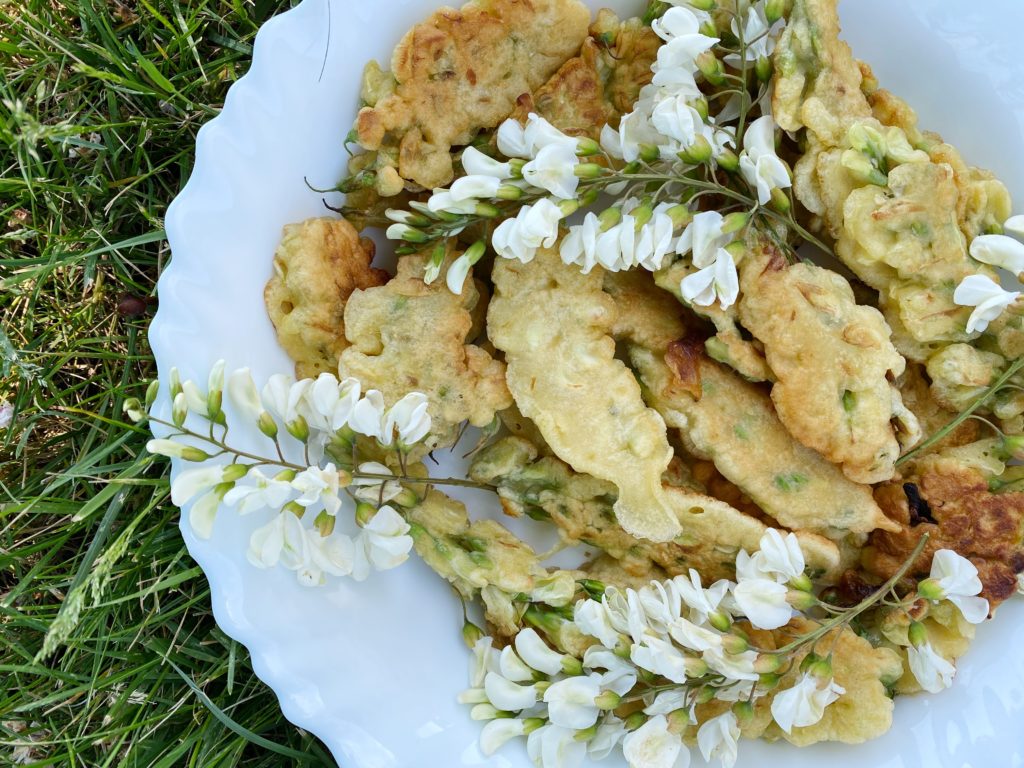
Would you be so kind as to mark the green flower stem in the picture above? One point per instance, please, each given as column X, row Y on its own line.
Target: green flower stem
column 857, row 610
column 264, row 461
column 960, row 418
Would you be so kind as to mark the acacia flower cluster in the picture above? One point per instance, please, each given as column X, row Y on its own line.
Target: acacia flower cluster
column 662, row 651
column 325, row 417
column 988, row 298
column 669, row 141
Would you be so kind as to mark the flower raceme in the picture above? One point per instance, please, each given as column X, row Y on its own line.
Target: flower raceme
column 323, row 413
column 672, row 645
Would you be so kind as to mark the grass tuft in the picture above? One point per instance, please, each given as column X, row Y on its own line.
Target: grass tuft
column 108, row 651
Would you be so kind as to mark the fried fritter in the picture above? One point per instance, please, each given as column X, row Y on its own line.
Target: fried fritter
column 834, row 362
column 950, row 499
column 583, row 509
column 729, row 421
column 602, row 83
column 905, row 227
column 462, row 71
column 483, row 558
column 732, row 423
column 317, row 266
column 563, row 375
column 409, row 336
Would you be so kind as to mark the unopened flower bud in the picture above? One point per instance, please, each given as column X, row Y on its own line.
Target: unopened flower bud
column 515, row 165
column 298, row 429
column 531, row 724
column 610, row 217
column 744, row 711
column 592, row 587
column 776, row 9
column 589, row 196
column 588, row 170
column 541, row 687
column 406, row 233
column 768, row 662
column 214, row 405
column 324, row 523
column 234, row 472
column 708, row 28
column 175, row 386
column 586, row 147
column 133, row 409
column 802, row 582
column 929, row 589
column 818, row 666
column 780, row 201
column 508, row 192
column 630, row 168
column 179, row 409
column 646, row 676
column 191, row 453
column 364, row 513
column 475, row 252
column 734, row 645
column 763, row 69
column 634, row 721
column 267, row 424
column 487, row 210
column 608, row 700
column 151, row 392
column 917, row 634
column 702, row 5
column 734, row 222
column 406, row 250
column 695, row 667
column 720, row 621
column 471, row 633
column 571, row 665
column 407, row 217
column 737, row 249
column 711, row 68
column 697, row 153
column 294, row 508
column 728, row 161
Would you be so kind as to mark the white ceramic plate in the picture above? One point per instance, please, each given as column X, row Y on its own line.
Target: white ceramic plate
column 373, row 669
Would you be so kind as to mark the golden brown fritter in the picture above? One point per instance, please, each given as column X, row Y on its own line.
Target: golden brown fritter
column 317, row 266
column 906, row 228
column 730, row 421
column 602, row 83
column 833, row 361
column 951, row 501
column 409, row 336
column 583, row 509
column 462, row 71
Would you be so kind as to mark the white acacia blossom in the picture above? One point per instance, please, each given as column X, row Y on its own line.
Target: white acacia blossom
column 932, row 671
column 999, row 251
column 763, row 602
column 533, row 228
column 804, row 704
column 259, row 492
column 384, row 543
column 955, row 578
column 986, row 296
column 653, row 745
column 758, row 36
column 760, row 166
column 718, row 738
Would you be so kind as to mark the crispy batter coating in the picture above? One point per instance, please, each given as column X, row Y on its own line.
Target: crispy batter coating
column 483, row 558
column 864, row 712
column 409, row 336
column 906, row 234
column 933, row 415
column 461, row 71
column 317, row 266
column 563, row 375
column 727, row 346
column 834, row 362
column 583, row 509
column 732, row 422
column 950, row 499
column 727, row 420
column 602, row 83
